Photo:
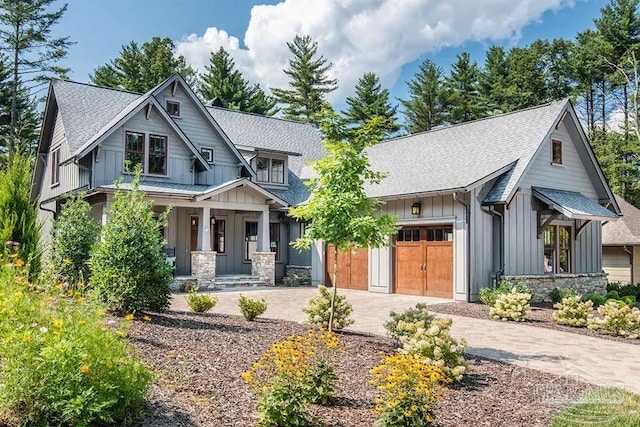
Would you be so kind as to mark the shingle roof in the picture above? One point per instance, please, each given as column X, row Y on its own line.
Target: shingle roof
column 458, row 156
column 573, row 204
column 624, row 231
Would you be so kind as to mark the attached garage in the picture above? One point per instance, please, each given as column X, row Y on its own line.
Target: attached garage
column 424, row 261
column 353, row 268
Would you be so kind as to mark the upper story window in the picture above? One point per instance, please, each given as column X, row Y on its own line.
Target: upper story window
column 277, row 171
column 55, row 167
column 150, row 153
column 262, row 169
column 270, row 170
column 173, row 108
column 157, row 155
column 556, row 152
column 133, row 151
column 207, row 154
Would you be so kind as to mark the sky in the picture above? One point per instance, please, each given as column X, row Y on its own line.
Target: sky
column 388, row 37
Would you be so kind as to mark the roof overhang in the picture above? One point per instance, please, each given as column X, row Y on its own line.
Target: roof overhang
column 250, row 149
column 270, row 198
column 573, row 205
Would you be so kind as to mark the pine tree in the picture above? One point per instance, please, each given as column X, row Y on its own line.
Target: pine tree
column 493, row 79
column 309, row 82
column 462, row 91
column 423, row 110
column 371, row 100
column 224, row 82
column 139, row 69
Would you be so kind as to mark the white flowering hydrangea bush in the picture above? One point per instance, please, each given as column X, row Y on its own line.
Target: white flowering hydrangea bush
column 435, row 346
column 318, row 310
column 616, row 318
column 571, row 311
column 511, row 306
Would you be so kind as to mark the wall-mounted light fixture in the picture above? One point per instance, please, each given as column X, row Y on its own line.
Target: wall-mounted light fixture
column 416, row 208
column 194, row 221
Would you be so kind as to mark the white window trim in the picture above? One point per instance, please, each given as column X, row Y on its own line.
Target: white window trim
column 55, row 153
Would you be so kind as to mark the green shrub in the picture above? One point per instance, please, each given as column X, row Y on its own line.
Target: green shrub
column 617, row 319
column 612, row 295
column 62, row 363
column 630, row 300
column 613, row 286
column 513, row 305
column 596, row 299
column 556, row 295
column 318, row 310
column 200, row 303
column 489, row 296
column 408, row 318
column 129, row 271
column 251, row 308
column 571, row 311
column 630, row 290
column 72, row 237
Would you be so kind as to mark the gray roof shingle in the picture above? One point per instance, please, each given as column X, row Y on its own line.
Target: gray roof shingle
column 624, row 231
column 573, row 204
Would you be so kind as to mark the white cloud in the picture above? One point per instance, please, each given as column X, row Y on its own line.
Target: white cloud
column 363, row 35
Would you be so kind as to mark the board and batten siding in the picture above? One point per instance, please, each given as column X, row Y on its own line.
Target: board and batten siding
column 482, row 249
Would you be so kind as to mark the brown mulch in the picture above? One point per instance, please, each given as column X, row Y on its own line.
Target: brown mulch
column 540, row 316
column 198, row 359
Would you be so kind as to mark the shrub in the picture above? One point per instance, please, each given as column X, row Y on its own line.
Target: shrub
column 407, row 390
column 557, row 295
column 61, row 363
column 403, row 324
column 251, row 308
column 630, row 290
column 200, row 303
column 292, row 373
column 318, row 310
column 489, row 296
column 617, row 319
column 571, row 311
column 612, row 295
column 435, row 346
column 596, row 299
column 128, row 268
column 511, row 306
column 72, row 237
column 630, row 300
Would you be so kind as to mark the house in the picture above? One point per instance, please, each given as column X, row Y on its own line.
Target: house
column 229, row 177
column 518, row 196
column 621, row 245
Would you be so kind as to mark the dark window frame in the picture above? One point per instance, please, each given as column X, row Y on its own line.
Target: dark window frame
column 207, row 154
column 127, row 167
column 279, row 175
column 554, row 251
column 174, row 110
column 267, row 169
column 165, row 156
column 556, row 152
column 219, row 236
column 274, row 228
column 248, row 238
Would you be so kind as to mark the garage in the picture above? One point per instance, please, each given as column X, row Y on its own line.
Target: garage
column 424, row 261
column 353, row 268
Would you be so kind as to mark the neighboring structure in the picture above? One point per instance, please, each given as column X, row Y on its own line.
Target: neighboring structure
column 518, row 196
column 621, row 245
column 228, row 176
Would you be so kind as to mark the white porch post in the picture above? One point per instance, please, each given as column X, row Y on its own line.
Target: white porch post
column 105, row 207
column 263, row 232
column 204, row 230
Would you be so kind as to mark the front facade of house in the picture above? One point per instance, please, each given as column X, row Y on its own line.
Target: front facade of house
column 228, row 199
column 517, row 197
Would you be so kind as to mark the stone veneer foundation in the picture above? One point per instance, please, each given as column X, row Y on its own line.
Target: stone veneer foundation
column 541, row 285
column 263, row 265
column 203, row 268
column 300, row 274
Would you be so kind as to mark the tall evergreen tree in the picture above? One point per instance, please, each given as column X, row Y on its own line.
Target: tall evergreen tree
column 371, row 100
column 224, row 82
column 526, row 83
column 423, row 110
column 558, row 69
column 462, row 91
column 308, row 83
column 493, row 80
column 139, row 69
column 33, row 55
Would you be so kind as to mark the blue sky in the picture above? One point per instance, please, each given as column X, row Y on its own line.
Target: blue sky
column 357, row 35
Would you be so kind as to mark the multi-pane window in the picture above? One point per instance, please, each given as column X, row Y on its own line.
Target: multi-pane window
column 218, row 236
column 556, row 152
column 173, row 108
column 55, row 166
column 270, row 170
column 409, row 235
column 262, row 169
column 277, row 171
column 133, row 151
column 157, row 155
column 250, row 238
column 274, row 238
column 557, row 249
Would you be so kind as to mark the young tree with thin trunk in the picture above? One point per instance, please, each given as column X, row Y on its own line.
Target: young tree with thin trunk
column 338, row 211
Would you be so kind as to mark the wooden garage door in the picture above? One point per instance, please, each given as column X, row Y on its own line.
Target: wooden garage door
column 424, row 261
column 353, row 268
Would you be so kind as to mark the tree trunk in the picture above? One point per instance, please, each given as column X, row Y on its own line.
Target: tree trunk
column 14, row 91
column 335, row 288
column 604, row 113
column 625, row 98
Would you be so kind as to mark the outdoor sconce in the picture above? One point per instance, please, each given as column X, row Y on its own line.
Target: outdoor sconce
column 194, row 221
column 416, row 209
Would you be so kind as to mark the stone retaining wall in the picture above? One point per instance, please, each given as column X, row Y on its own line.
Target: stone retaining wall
column 543, row 284
column 263, row 265
column 297, row 275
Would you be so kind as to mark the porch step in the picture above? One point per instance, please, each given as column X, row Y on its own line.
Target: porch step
column 238, row 281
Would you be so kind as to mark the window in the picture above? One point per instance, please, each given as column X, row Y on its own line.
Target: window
column 157, row 155
column 303, row 229
column 557, row 249
column 409, row 235
column 133, row 151
column 556, row 152
column 277, row 171
column 55, row 167
column 173, row 108
column 218, row 236
column 262, row 169
column 207, row 154
column 274, row 238
column 250, row 238
column 440, row 234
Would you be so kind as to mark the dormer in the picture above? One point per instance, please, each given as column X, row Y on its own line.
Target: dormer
column 271, row 166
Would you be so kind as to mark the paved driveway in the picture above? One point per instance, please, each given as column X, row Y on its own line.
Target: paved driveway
column 594, row 360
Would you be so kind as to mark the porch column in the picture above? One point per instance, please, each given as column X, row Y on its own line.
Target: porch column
column 105, row 207
column 204, row 231
column 263, row 232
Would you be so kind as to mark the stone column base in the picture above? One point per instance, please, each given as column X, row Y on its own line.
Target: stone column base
column 203, row 267
column 263, row 265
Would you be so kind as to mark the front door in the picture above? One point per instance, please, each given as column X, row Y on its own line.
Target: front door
column 193, row 241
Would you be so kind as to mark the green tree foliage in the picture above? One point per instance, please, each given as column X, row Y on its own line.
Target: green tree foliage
column 371, row 100
column 224, row 82
column 339, row 211
column 424, row 110
column 18, row 214
column 462, row 91
column 141, row 68
column 493, row 80
column 72, row 238
column 619, row 160
column 309, row 83
column 128, row 268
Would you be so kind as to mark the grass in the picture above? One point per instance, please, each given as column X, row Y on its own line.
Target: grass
column 611, row 407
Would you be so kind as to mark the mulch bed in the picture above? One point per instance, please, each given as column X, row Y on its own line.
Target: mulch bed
column 198, row 359
column 540, row 316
